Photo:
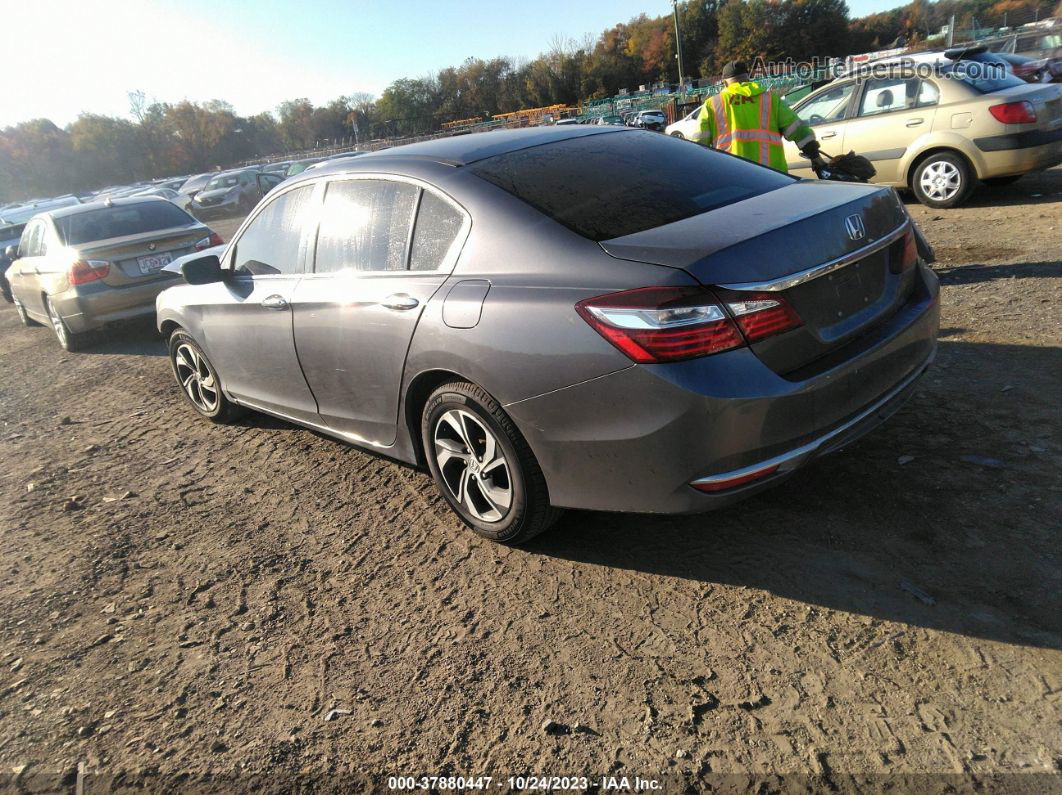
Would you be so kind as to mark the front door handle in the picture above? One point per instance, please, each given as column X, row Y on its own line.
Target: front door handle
column 914, row 122
column 274, row 302
column 826, row 135
column 400, row 301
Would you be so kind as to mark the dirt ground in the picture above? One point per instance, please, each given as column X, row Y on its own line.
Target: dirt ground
column 190, row 604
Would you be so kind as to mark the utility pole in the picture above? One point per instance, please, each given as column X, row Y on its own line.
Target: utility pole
column 678, row 42
column 951, row 30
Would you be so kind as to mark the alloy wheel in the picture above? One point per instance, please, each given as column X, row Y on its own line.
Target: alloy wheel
column 196, row 378
column 940, row 181
column 57, row 324
column 472, row 465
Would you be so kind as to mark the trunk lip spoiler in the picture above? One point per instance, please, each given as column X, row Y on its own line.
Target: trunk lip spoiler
column 814, row 272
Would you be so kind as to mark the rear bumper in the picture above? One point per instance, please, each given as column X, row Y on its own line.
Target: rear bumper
column 95, row 305
column 635, row 440
column 1020, row 153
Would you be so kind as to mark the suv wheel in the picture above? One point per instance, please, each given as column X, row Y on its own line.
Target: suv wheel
column 483, row 466
column 942, row 180
column 677, row 134
column 199, row 381
column 70, row 341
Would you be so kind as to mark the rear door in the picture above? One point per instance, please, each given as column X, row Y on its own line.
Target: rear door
column 826, row 113
column 374, row 271
column 892, row 113
column 246, row 320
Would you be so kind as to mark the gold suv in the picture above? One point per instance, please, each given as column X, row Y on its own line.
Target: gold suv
column 938, row 128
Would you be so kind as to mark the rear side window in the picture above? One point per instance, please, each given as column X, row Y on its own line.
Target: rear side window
column 269, row 246
column 365, row 226
column 119, row 221
column 32, row 239
column 438, row 224
column 616, row 184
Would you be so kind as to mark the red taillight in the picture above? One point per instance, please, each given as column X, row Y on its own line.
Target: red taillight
column 1014, row 113
column 662, row 324
column 734, row 482
column 209, row 242
column 84, row 271
column 762, row 315
column 903, row 254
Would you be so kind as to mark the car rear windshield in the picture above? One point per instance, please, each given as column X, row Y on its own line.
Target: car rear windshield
column 119, row 221
column 616, row 184
column 985, row 73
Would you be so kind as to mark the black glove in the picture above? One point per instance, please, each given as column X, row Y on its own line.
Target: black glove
column 811, row 150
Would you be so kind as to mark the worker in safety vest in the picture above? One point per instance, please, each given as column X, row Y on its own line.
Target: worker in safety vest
column 749, row 121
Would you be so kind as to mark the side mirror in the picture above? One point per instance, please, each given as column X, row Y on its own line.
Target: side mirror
column 203, row 270
column 11, row 252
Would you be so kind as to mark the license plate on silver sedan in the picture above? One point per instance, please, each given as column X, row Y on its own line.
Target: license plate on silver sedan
column 154, row 263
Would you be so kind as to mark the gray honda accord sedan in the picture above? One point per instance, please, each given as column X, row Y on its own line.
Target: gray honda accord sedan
column 566, row 317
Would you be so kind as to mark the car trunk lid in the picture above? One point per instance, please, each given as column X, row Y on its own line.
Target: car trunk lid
column 830, row 250
column 140, row 258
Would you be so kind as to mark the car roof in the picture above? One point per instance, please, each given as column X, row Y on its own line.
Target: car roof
column 461, row 150
column 77, row 209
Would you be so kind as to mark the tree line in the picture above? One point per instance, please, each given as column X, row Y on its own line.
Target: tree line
column 38, row 158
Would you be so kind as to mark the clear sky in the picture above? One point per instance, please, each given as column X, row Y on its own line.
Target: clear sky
column 63, row 57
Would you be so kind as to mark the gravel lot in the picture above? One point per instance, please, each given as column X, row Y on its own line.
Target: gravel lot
column 216, row 603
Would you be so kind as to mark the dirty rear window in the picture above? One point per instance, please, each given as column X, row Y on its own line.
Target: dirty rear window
column 119, row 221
column 606, row 186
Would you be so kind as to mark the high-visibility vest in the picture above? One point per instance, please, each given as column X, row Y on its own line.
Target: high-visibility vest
column 750, row 122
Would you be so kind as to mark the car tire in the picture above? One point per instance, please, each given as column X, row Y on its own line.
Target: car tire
column 678, row 135
column 1002, row 182
column 942, row 180
column 483, row 466
column 23, row 318
column 70, row 341
column 198, row 380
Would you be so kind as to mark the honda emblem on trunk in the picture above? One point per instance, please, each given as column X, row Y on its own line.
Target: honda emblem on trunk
column 854, row 225
column 151, row 246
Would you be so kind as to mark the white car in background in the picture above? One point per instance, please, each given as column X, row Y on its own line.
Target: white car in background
column 686, row 127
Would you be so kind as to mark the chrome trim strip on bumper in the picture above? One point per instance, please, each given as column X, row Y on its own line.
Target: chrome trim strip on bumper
column 786, row 462
column 785, row 282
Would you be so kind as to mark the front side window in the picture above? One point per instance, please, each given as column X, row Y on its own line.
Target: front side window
column 438, row 224
column 365, row 226
column 269, row 246
column 829, row 106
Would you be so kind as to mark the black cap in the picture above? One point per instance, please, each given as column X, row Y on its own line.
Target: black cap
column 735, row 69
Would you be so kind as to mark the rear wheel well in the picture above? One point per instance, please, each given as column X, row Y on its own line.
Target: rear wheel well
column 417, row 395
column 936, row 151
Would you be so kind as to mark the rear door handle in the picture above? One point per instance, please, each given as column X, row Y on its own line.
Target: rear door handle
column 274, row 302
column 914, row 122
column 826, row 135
column 400, row 301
